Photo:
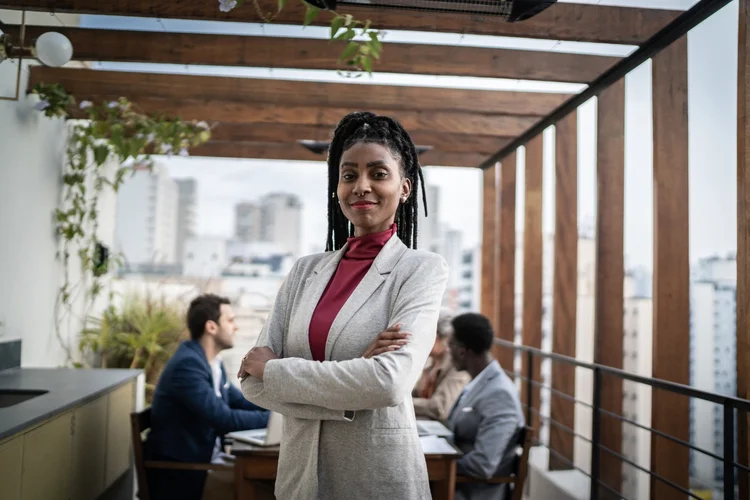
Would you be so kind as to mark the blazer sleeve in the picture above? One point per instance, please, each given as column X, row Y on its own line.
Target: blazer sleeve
column 497, row 426
column 439, row 405
column 272, row 336
column 197, row 394
column 381, row 381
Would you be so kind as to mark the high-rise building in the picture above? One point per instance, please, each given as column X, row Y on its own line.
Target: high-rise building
column 247, row 222
column 428, row 229
column 276, row 218
column 146, row 221
column 187, row 200
column 713, row 361
column 637, row 351
column 469, row 281
column 281, row 221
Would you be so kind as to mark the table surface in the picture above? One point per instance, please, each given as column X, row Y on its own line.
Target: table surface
column 240, row 448
column 66, row 388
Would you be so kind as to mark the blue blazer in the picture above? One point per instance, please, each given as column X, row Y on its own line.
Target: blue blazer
column 187, row 417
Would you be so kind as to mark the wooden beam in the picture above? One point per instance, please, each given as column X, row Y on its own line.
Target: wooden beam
column 306, row 53
column 296, row 92
column 743, row 243
column 532, row 267
column 671, row 342
column 297, row 152
column 274, row 132
column 565, row 286
column 489, row 239
column 563, row 21
column 506, row 260
column 241, row 112
column 610, row 271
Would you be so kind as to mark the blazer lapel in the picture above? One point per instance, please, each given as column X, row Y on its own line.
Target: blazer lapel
column 313, row 288
column 382, row 265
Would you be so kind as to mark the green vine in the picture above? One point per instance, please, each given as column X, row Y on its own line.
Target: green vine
column 363, row 44
column 110, row 133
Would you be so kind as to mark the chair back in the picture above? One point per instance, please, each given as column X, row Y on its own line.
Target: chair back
column 140, row 422
column 522, row 469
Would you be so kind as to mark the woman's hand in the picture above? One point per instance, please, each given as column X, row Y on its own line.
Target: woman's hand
column 390, row 339
column 254, row 362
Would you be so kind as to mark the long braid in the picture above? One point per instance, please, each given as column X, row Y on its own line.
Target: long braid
column 370, row 128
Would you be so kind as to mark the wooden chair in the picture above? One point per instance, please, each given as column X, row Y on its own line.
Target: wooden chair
column 140, row 422
column 518, row 478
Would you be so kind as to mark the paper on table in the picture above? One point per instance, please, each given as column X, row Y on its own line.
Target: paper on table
column 434, row 445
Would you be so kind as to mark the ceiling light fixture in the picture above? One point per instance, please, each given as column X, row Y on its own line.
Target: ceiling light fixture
column 51, row 49
column 508, row 10
column 321, row 147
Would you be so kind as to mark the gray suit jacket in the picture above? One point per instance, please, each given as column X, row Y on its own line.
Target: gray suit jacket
column 486, row 425
column 349, row 425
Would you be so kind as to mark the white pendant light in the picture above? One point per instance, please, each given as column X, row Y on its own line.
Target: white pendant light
column 53, row 49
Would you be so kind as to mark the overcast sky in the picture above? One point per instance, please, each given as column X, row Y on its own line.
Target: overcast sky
column 712, row 111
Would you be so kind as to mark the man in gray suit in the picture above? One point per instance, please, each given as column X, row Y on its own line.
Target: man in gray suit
column 486, row 420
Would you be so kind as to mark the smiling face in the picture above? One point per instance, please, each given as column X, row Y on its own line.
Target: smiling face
column 371, row 187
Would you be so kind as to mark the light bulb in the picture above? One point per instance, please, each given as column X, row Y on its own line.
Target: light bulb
column 53, row 49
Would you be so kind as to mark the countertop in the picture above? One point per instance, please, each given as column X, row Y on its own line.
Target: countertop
column 68, row 388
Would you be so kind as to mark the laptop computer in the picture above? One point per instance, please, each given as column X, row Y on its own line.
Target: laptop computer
column 270, row 436
column 432, row 428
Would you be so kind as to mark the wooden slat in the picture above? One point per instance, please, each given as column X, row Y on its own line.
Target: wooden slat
column 274, row 132
column 240, row 112
column 292, row 151
column 489, row 235
column 743, row 242
column 608, row 308
column 671, row 352
column 506, row 260
column 305, row 53
column 297, row 93
column 532, row 264
column 563, row 21
column 565, row 287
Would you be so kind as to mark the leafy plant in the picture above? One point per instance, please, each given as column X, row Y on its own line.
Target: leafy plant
column 142, row 334
column 363, row 45
column 112, row 133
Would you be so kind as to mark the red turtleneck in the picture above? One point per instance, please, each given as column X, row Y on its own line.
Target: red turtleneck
column 360, row 254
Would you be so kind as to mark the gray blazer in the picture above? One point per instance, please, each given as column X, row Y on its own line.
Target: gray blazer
column 486, row 425
column 349, row 425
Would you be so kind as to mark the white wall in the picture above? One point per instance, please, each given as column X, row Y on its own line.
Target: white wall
column 31, row 160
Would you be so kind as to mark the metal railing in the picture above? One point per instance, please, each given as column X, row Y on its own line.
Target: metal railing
column 731, row 405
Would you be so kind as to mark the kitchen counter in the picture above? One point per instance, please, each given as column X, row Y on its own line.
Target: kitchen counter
column 67, row 388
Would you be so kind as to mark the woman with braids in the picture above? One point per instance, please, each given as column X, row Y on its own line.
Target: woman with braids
column 351, row 329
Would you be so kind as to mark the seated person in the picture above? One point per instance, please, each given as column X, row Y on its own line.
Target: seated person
column 194, row 404
column 487, row 420
column 441, row 383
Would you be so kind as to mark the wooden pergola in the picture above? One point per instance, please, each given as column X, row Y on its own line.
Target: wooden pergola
column 262, row 118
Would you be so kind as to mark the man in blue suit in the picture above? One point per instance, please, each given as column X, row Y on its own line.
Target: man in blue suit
column 194, row 404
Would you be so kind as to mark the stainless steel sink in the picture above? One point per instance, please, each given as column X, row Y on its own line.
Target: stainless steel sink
column 10, row 397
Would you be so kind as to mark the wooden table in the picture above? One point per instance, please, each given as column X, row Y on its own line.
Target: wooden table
column 257, row 463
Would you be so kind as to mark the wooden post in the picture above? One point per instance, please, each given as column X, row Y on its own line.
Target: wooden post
column 532, row 265
column 743, row 241
column 608, row 343
column 671, row 342
column 565, row 285
column 506, row 261
column 489, row 230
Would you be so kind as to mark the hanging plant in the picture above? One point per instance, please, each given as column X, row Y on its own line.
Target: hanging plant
column 363, row 44
column 111, row 133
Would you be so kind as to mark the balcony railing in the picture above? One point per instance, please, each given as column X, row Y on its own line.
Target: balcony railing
column 734, row 410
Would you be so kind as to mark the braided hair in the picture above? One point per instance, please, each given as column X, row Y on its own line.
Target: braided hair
column 367, row 127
